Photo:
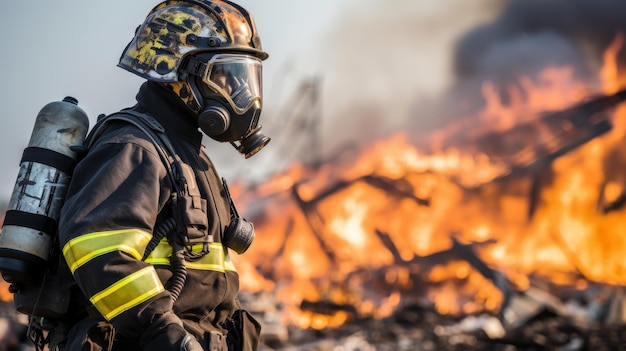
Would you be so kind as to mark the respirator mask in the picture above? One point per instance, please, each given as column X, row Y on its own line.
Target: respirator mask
column 231, row 92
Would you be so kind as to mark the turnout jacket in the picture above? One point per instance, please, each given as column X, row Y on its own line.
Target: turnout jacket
column 118, row 196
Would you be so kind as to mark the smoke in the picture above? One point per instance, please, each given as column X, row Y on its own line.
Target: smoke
column 416, row 66
column 522, row 39
column 533, row 33
column 380, row 58
column 529, row 35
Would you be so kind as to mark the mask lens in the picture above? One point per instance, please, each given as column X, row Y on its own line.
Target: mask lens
column 235, row 77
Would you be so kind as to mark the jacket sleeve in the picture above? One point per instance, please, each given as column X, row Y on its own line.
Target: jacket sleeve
column 106, row 222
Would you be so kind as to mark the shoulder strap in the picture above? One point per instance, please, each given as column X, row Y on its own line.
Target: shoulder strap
column 186, row 199
column 152, row 128
column 180, row 182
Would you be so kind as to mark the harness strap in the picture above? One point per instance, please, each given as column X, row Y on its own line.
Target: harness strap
column 181, row 184
column 149, row 126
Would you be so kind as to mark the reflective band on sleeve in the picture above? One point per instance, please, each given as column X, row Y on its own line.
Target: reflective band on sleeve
column 84, row 248
column 127, row 293
column 216, row 260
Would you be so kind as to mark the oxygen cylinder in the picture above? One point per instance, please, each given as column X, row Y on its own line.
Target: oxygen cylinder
column 30, row 223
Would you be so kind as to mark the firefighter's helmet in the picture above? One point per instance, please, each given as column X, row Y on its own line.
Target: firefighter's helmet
column 208, row 52
column 175, row 30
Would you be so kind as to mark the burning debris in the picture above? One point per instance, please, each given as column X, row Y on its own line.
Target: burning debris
column 504, row 232
column 504, row 235
column 559, row 132
column 535, row 319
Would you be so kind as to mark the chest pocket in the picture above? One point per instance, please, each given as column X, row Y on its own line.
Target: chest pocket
column 189, row 226
column 190, row 211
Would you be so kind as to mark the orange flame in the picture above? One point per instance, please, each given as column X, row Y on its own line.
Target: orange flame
column 324, row 233
column 5, row 295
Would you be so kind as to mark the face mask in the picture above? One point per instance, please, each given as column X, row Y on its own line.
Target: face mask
column 218, row 121
column 231, row 91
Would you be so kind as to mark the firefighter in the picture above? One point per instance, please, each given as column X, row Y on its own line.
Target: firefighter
column 202, row 63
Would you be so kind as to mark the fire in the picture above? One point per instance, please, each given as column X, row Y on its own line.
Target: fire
column 446, row 227
column 370, row 235
column 5, row 295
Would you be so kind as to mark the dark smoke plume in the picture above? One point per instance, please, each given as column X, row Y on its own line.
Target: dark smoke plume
column 523, row 39
column 529, row 34
column 379, row 64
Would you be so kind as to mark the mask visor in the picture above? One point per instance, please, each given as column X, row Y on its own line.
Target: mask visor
column 237, row 78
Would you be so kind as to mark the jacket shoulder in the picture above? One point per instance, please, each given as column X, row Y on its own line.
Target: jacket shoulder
column 127, row 127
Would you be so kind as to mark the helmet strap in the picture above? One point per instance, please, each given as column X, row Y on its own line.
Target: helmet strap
column 192, row 66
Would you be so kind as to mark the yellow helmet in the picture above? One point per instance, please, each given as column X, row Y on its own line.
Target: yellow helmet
column 177, row 28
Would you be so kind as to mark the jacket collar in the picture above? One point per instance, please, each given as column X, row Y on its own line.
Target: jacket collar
column 160, row 103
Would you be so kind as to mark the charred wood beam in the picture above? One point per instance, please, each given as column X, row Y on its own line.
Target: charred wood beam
column 390, row 245
column 457, row 251
column 580, row 117
column 467, row 253
column 376, row 280
column 605, row 206
column 592, row 132
column 579, row 114
column 572, row 257
column 615, row 205
column 539, row 164
column 538, row 181
column 498, row 279
column 571, row 128
column 315, row 221
column 328, row 308
column 397, row 187
column 268, row 270
column 534, row 196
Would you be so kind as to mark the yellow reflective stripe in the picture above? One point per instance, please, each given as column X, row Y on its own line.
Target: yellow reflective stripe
column 127, row 293
column 216, row 260
column 160, row 255
column 84, row 248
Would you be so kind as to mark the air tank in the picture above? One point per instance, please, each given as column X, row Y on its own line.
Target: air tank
column 30, row 225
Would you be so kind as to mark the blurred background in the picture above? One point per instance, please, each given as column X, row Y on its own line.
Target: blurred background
column 452, row 159
column 362, row 55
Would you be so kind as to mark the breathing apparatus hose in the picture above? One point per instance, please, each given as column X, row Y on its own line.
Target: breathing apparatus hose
column 167, row 228
column 179, row 272
column 160, row 232
column 177, row 261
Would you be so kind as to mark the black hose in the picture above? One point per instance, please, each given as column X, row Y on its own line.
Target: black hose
column 177, row 261
column 163, row 230
column 179, row 273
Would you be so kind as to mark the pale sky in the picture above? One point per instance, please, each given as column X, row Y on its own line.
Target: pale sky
column 52, row 49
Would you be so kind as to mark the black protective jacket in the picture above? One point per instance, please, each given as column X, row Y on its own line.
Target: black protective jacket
column 118, row 196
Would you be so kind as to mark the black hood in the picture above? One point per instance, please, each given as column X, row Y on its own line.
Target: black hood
column 161, row 103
